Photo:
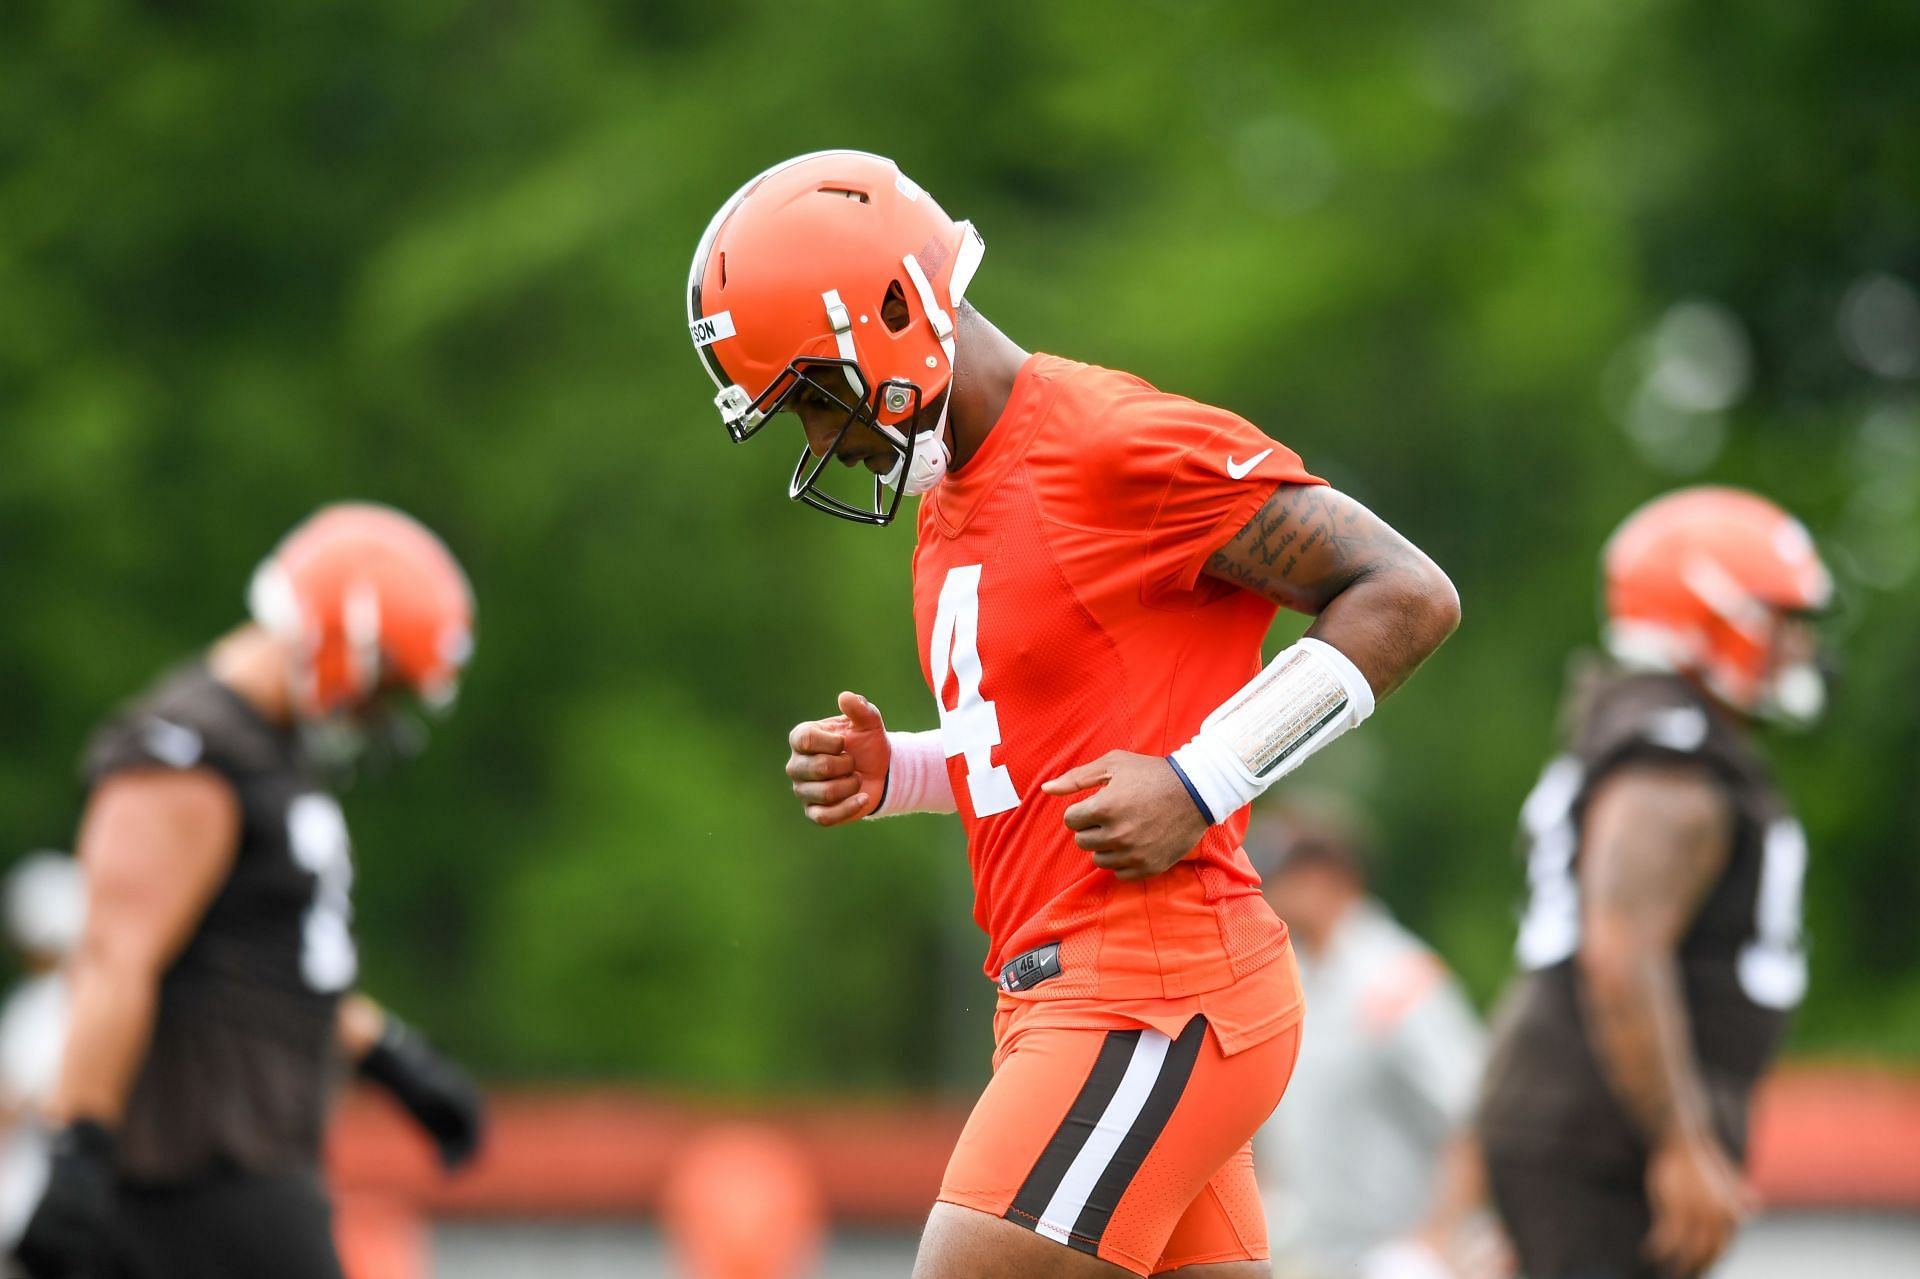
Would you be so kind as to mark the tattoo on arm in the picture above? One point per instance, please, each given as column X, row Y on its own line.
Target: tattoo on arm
column 1306, row 545
column 1656, row 841
column 1378, row 599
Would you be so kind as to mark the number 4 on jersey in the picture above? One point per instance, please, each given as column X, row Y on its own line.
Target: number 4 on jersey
column 972, row 726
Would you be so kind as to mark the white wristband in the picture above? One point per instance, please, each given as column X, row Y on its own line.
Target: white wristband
column 917, row 780
column 1307, row 696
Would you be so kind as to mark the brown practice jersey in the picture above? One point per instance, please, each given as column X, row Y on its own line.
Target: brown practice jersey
column 238, row 1069
column 1741, row 964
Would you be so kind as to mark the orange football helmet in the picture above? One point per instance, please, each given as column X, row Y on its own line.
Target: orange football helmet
column 1700, row 581
column 791, row 287
column 369, row 599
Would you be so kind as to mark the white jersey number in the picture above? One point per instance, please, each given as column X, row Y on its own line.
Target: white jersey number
column 1773, row 967
column 317, row 833
column 1550, row 930
column 972, row 727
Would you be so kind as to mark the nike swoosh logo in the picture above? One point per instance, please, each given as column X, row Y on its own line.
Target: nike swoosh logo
column 1240, row 470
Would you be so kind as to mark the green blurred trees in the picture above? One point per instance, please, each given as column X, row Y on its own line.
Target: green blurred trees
column 252, row 259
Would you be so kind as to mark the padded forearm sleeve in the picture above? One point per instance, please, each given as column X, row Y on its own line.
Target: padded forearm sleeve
column 1307, row 696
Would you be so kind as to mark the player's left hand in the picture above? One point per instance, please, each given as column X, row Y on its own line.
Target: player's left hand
column 1697, row 1201
column 1139, row 821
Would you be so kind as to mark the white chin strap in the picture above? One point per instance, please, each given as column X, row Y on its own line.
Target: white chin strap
column 928, row 464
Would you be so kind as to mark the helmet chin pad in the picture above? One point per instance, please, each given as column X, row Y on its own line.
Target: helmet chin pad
column 925, row 461
column 1796, row 696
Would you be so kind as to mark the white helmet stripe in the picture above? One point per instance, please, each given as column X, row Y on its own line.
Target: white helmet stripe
column 1720, row 591
column 360, row 618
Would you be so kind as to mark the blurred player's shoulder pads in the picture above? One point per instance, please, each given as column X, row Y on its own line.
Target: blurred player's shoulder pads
column 184, row 720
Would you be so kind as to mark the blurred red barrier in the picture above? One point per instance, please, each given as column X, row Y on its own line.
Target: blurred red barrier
column 1838, row 1136
column 608, row 1154
column 380, row 1237
column 742, row 1203
column 1824, row 1136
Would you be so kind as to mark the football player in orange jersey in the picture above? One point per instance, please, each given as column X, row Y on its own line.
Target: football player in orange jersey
column 1097, row 565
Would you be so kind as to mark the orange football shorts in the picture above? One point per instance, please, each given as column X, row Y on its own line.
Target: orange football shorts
column 1124, row 1143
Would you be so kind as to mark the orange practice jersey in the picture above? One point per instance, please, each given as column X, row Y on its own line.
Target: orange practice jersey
column 1061, row 613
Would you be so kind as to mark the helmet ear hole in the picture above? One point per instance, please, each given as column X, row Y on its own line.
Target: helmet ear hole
column 893, row 309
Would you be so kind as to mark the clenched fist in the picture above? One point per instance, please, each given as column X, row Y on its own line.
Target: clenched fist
column 838, row 765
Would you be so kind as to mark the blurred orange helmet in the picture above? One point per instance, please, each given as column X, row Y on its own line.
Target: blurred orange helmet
column 1697, row 581
column 369, row 599
column 790, row 287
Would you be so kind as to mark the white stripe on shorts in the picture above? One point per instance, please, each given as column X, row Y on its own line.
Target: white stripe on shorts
column 1143, row 1071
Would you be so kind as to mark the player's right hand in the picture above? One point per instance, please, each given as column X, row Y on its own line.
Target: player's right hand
column 1697, row 1201
column 838, row 765
column 71, row 1232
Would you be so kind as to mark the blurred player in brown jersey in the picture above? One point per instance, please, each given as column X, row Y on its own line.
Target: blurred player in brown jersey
column 205, row 989
column 42, row 907
column 1660, row 947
